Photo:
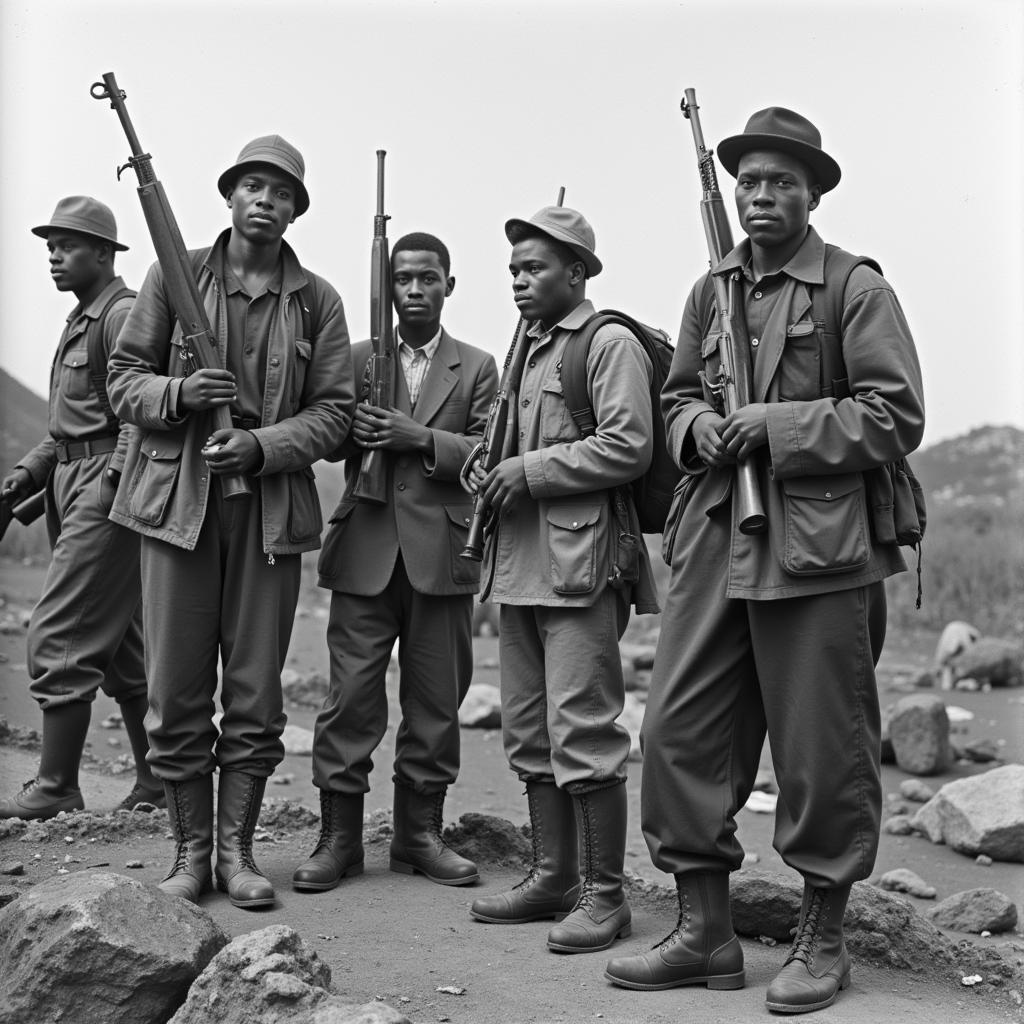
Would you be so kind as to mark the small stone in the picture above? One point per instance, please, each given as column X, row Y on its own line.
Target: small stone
column 134, row 864
column 12, row 867
column 975, row 911
column 919, row 730
column 285, row 779
column 916, row 790
column 114, row 721
column 767, row 940
column 981, row 751
column 897, row 825
column 451, row 990
column 905, row 880
column 984, row 860
column 113, row 741
column 749, row 859
column 971, row 979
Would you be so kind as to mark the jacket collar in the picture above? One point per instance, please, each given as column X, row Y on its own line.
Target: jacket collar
column 93, row 310
column 440, row 379
column 807, row 264
column 572, row 321
column 293, row 277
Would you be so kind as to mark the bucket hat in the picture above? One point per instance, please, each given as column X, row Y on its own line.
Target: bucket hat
column 279, row 153
column 565, row 225
column 86, row 216
column 784, row 130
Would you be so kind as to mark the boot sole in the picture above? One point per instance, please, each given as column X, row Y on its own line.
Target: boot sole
column 724, row 982
column 844, row 983
column 623, row 933
column 355, row 869
column 560, row 915
column 402, row 868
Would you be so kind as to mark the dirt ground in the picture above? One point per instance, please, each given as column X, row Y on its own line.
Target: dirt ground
column 400, row 938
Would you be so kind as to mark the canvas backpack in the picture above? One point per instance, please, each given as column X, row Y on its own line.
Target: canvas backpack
column 651, row 492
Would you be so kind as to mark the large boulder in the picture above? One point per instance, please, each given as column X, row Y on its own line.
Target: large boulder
column 919, row 732
column 111, row 948
column 482, row 707
column 272, row 977
column 989, row 660
column 485, row 838
column 980, row 814
column 976, row 911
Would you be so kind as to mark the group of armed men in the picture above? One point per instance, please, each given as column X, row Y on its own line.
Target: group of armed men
column 156, row 578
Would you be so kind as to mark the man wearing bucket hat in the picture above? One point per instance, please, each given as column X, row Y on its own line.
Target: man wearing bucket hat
column 86, row 631
column 777, row 632
column 220, row 577
column 547, row 564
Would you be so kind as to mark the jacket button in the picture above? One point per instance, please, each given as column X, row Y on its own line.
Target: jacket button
column 526, row 402
column 754, row 342
column 401, row 487
column 757, row 295
column 154, row 453
column 575, row 524
column 465, row 519
column 828, row 494
column 274, row 361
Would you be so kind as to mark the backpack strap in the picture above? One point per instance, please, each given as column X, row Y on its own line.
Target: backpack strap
column 96, row 357
column 574, row 370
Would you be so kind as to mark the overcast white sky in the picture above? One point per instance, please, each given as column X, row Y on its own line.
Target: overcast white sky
column 486, row 108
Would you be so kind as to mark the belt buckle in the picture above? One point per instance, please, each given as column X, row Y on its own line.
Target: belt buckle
column 61, row 450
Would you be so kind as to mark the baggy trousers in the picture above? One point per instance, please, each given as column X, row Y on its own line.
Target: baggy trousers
column 726, row 671
column 435, row 662
column 562, row 691
column 224, row 599
column 86, row 631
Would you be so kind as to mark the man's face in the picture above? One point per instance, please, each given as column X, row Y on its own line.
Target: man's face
column 774, row 197
column 419, row 286
column 76, row 261
column 262, row 204
column 542, row 281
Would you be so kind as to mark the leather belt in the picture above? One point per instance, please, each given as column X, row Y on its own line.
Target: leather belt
column 68, row 451
column 245, row 422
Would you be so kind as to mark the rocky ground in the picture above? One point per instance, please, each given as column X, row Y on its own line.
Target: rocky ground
column 413, row 944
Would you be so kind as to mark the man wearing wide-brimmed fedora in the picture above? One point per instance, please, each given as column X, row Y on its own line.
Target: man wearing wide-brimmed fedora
column 777, row 632
column 547, row 563
column 221, row 578
column 86, row 631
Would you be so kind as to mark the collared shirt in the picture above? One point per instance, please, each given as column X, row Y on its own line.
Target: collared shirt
column 75, row 412
column 250, row 318
column 415, row 363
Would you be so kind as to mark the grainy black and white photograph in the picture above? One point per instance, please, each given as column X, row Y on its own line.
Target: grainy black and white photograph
column 511, row 514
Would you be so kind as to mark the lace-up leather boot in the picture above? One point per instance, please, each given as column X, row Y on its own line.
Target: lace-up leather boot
column 190, row 810
column 55, row 788
column 147, row 789
column 702, row 949
column 417, row 844
column 601, row 914
column 552, row 886
column 339, row 850
column 818, row 966
column 239, row 797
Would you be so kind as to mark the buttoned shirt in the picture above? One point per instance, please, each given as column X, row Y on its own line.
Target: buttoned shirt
column 75, row 412
column 415, row 363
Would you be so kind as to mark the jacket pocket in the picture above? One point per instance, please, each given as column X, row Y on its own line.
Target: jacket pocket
column 800, row 366
column 556, row 424
column 572, row 547
column 328, row 564
column 826, row 524
column 675, row 514
column 303, row 354
column 74, row 374
column 151, row 487
column 464, row 570
column 305, row 520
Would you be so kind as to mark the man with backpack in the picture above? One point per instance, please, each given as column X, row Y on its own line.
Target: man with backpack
column 550, row 563
column 778, row 631
column 85, row 633
column 221, row 576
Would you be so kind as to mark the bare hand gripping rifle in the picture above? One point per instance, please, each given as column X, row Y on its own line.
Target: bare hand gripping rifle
column 733, row 383
column 372, row 483
column 198, row 345
column 488, row 451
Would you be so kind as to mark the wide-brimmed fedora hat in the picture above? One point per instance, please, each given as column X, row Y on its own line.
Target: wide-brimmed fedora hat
column 563, row 224
column 279, row 153
column 85, row 216
column 784, row 130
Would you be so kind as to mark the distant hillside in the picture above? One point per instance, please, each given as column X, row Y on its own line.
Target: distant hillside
column 982, row 468
column 22, row 420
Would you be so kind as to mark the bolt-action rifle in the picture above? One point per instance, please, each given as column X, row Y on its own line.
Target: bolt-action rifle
column 488, row 451
column 733, row 383
column 26, row 511
column 372, row 481
column 198, row 345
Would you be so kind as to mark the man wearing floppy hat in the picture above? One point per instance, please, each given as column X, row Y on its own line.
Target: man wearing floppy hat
column 547, row 564
column 221, row 577
column 86, row 631
column 777, row 632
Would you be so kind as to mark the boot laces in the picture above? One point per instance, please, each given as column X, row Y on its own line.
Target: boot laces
column 536, row 831
column 326, row 826
column 806, row 938
column 437, row 815
column 183, row 840
column 589, row 882
column 682, row 924
column 246, row 830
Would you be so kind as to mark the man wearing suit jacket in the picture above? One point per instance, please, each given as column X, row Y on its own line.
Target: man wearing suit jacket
column 395, row 573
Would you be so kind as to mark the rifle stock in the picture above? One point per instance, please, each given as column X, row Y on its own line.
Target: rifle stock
column 372, row 481
column 733, row 383
column 198, row 346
